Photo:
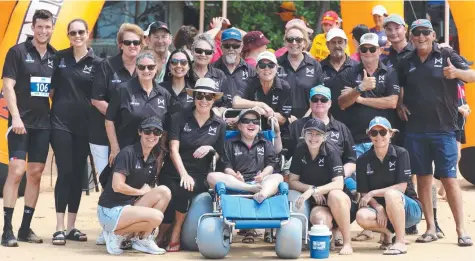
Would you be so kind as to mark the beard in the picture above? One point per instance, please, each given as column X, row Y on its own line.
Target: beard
column 230, row 58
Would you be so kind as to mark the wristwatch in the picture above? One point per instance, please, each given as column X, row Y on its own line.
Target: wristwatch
column 359, row 89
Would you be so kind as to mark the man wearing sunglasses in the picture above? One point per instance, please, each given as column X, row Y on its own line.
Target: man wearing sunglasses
column 231, row 63
column 159, row 38
column 389, row 202
column 430, row 78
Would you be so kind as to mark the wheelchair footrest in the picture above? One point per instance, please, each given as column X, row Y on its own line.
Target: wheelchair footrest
column 251, row 224
column 238, row 208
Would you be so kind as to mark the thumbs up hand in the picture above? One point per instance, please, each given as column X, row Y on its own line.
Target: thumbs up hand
column 450, row 72
column 368, row 83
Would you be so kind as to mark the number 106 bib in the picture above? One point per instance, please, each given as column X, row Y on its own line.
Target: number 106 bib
column 40, row 86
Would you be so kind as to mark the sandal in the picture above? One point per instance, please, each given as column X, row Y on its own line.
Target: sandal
column 175, row 245
column 269, row 237
column 427, row 238
column 249, row 238
column 394, row 252
column 59, row 238
column 362, row 237
column 385, row 246
column 76, row 235
column 464, row 241
column 338, row 242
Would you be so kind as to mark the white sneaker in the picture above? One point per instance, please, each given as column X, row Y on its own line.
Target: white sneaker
column 101, row 240
column 147, row 245
column 113, row 243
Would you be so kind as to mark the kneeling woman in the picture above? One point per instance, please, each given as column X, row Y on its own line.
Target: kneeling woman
column 317, row 172
column 389, row 202
column 192, row 135
column 128, row 205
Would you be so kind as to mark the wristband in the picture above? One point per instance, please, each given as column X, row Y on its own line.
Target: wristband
column 359, row 89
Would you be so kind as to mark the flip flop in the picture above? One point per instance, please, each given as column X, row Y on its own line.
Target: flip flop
column 175, row 245
column 362, row 237
column 394, row 252
column 465, row 241
column 427, row 238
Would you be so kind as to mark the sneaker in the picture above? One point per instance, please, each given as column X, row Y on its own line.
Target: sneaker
column 147, row 245
column 101, row 240
column 29, row 236
column 113, row 243
column 9, row 239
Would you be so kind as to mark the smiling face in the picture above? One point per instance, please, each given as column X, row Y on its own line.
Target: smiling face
column 378, row 20
column 159, row 41
column 318, row 106
column 149, row 141
column 423, row 42
column 78, row 34
column 248, row 127
column 230, row 54
column 199, row 53
column 177, row 67
column 131, row 50
column 146, row 69
column 380, row 141
column 203, row 106
column 313, row 138
column 396, row 33
column 266, row 74
column 368, row 57
column 294, row 47
column 337, row 47
column 42, row 30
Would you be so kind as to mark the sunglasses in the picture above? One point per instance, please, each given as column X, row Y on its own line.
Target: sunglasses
column 316, row 99
column 142, row 67
column 268, row 65
column 371, row 49
column 248, row 121
column 182, row 62
column 201, row 51
column 74, row 33
column 155, row 132
column 208, row 96
column 382, row 132
column 423, row 32
column 130, row 42
column 229, row 46
column 292, row 39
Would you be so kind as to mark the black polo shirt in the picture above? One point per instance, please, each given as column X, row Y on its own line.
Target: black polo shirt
column 110, row 73
column 179, row 102
column 72, row 84
column 337, row 132
column 249, row 160
column 220, row 79
column 185, row 129
column 430, row 97
column 236, row 80
column 329, row 78
column 308, row 75
column 130, row 105
column 372, row 174
column 319, row 171
column 32, row 74
column 393, row 57
column 357, row 116
column 138, row 172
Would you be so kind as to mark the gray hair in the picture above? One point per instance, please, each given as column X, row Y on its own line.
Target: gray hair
column 203, row 37
column 143, row 55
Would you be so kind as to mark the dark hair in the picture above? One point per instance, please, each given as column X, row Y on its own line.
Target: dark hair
column 78, row 20
column 189, row 77
column 185, row 37
column 43, row 15
column 359, row 31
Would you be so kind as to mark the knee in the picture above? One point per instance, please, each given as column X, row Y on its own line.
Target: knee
column 212, row 178
column 157, row 218
column 319, row 218
column 393, row 196
column 34, row 173
column 163, row 192
column 337, row 198
column 16, row 172
column 279, row 178
column 362, row 218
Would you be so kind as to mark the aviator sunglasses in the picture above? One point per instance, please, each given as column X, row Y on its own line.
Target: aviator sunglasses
column 382, row 132
column 74, row 33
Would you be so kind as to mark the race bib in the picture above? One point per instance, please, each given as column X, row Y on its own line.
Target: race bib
column 40, row 86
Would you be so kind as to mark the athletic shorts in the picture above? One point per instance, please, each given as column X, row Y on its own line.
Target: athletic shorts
column 109, row 217
column 440, row 148
column 34, row 144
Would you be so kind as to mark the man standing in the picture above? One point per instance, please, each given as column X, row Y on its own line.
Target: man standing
column 159, row 38
column 429, row 76
column 319, row 49
column 26, row 83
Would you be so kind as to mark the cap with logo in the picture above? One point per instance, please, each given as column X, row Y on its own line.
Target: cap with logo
column 330, row 17
column 335, row 32
column 151, row 122
column 206, row 85
column 155, row 26
column 253, row 40
column 266, row 55
column 231, row 33
column 369, row 38
column 422, row 23
column 315, row 124
column 321, row 90
column 394, row 18
column 249, row 111
column 379, row 10
column 379, row 121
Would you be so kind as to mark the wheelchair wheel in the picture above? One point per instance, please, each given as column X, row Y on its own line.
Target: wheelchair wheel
column 201, row 204
column 213, row 238
column 305, row 209
column 288, row 242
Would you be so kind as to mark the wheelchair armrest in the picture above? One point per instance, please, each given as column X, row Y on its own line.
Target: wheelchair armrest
column 220, row 188
column 284, row 188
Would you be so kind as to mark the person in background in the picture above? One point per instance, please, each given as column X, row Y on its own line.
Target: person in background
column 319, row 49
column 184, row 38
column 255, row 43
column 379, row 12
column 356, row 34
column 287, row 11
column 159, row 38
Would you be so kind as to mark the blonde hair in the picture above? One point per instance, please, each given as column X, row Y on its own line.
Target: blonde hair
column 132, row 28
column 304, row 33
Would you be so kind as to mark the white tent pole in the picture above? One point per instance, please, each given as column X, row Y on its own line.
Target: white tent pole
column 446, row 22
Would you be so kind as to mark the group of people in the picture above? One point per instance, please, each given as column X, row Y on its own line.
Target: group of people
column 153, row 121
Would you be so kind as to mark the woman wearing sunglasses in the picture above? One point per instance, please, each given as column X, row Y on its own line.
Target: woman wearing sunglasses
column 193, row 134
column 389, row 202
column 317, row 172
column 71, row 87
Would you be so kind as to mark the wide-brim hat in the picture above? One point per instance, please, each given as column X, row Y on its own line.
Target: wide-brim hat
column 206, row 85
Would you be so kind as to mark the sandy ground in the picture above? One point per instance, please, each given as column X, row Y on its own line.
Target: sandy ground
column 44, row 226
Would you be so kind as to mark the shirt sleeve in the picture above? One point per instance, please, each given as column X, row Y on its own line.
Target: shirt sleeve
column 361, row 179
column 11, row 67
column 123, row 162
column 392, row 84
column 175, row 126
column 349, row 153
column 271, row 158
column 403, row 167
column 296, row 165
column 227, row 156
column 219, row 146
column 458, row 61
column 100, row 83
column 114, row 105
column 335, row 166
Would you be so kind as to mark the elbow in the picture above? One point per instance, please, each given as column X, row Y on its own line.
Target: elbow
column 95, row 103
column 116, row 187
column 393, row 104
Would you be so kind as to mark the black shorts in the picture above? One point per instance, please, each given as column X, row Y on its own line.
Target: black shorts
column 460, row 136
column 34, row 144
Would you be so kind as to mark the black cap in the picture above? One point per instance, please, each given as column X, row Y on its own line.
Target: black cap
column 151, row 122
column 315, row 124
column 155, row 26
column 359, row 31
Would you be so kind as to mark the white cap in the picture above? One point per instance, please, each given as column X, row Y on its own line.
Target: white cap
column 379, row 10
column 268, row 56
column 336, row 32
column 369, row 38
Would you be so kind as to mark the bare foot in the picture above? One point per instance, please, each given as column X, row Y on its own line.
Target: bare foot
column 255, row 188
column 259, row 197
column 346, row 250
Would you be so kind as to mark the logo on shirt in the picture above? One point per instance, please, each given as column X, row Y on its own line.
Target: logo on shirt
column 138, row 165
column 134, row 101
column 62, row 64
column 29, row 59
column 369, row 170
column 187, row 128
column 189, row 98
column 50, row 63
column 309, row 72
column 237, row 152
column 381, row 78
column 87, row 69
column 281, row 73
column 389, row 64
column 321, row 162
column 212, row 131
column 216, row 85
column 325, row 76
column 412, row 67
column 438, row 62
column 260, row 151
column 275, row 99
column 161, row 103
column 304, row 160
column 397, row 88
column 245, row 75
column 334, row 136
column 115, row 78
column 392, row 165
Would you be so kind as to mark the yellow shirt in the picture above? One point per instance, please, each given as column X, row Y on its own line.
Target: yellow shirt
column 319, row 49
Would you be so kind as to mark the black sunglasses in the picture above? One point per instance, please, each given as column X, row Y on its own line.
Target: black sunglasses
column 150, row 67
column 382, row 132
column 248, row 121
column 208, row 96
column 292, row 39
column 423, row 32
column 130, row 42
column 200, row 51
column 315, row 99
column 175, row 62
column 234, row 46
column 155, row 132
column 371, row 49
column 268, row 65
column 74, row 33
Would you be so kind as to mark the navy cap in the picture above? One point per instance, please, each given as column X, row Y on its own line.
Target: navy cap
column 315, row 124
column 155, row 26
column 151, row 122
